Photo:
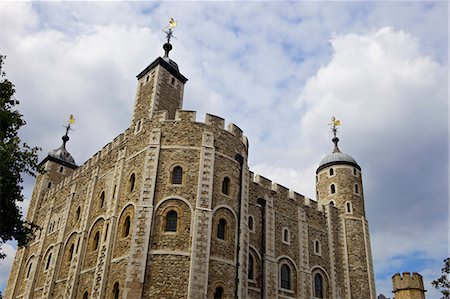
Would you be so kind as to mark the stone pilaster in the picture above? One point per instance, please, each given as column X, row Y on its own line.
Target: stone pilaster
column 142, row 223
column 244, row 234
column 271, row 264
column 305, row 273
column 201, row 241
column 332, row 250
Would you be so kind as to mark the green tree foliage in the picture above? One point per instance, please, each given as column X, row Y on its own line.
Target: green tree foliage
column 16, row 159
column 442, row 283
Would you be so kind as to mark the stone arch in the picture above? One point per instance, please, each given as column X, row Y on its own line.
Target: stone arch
column 93, row 245
column 326, row 290
column 180, row 239
column 30, row 265
column 219, row 284
column 224, row 247
column 122, row 241
column 177, row 174
column 69, row 252
column 286, row 262
column 257, row 275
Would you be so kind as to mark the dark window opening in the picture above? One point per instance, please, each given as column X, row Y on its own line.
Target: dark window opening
column 126, row 227
column 171, row 221
column 173, row 81
column 317, row 247
column 146, row 79
column 250, row 267
column 226, row 186
column 132, row 181
column 72, row 247
column 78, row 213
column 102, row 199
column 61, row 169
column 49, row 259
column 96, row 240
column 221, row 229
column 286, row 235
column 250, row 223
column 177, row 175
column 106, row 232
column 333, row 189
column 331, row 171
column 318, row 286
column 85, row 295
column 116, row 291
column 285, row 277
column 49, row 184
column 356, row 189
column 354, row 171
column 218, row 294
column 349, row 207
column 29, row 270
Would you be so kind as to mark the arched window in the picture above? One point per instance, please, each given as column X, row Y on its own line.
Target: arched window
column 356, row 189
column 126, row 227
column 177, row 175
column 221, row 229
column 318, row 286
column 354, row 171
column 78, row 213
column 29, row 269
column 49, row 185
column 218, row 294
column 331, row 171
column 61, row 169
column 96, row 240
column 250, row 222
column 332, row 203
column 86, row 295
column 131, row 182
column 72, row 247
column 116, row 291
column 333, row 189
column 226, row 186
column 286, row 237
column 171, row 221
column 102, row 199
column 250, row 267
column 349, row 207
column 317, row 249
column 49, row 259
column 285, row 277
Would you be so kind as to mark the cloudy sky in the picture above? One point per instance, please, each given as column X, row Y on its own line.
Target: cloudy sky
column 279, row 70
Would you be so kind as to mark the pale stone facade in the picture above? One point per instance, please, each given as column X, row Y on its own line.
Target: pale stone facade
column 407, row 286
column 170, row 209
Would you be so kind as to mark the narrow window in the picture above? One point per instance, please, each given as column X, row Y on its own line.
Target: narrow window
column 331, row 171
column 114, row 192
column 218, row 294
column 349, row 207
column 126, row 227
column 86, row 295
column 354, row 171
column 333, row 189
column 177, row 175
column 318, row 286
column 138, row 127
column 96, row 240
column 146, row 79
column 132, row 181
column 317, row 195
column 286, row 235
column 78, row 246
column 285, row 277
column 226, row 186
column 356, row 189
column 116, row 291
column 250, row 223
column 29, row 270
column 250, row 267
column 78, row 213
column 61, row 169
column 332, row 203
column 173, row 81
column 317, row 247
column 221, row 229
column 171, row 221
column 106, row 232
column 49, row 259
column 49, row 184
column 72, row 247
column 102, row 199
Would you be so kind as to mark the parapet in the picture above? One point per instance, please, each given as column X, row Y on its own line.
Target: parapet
column 406, row 281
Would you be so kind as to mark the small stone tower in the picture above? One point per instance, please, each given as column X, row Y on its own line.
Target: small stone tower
column 339, row 183
column 408, row 287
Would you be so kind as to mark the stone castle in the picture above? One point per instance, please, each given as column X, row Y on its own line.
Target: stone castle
column 170, row 209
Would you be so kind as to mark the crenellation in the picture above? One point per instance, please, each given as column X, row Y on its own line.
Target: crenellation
column 215, row 121
column 260, row 180
column 235, row 130
column 185, row 115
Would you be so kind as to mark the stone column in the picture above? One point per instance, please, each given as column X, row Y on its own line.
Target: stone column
column 201, row 241
column 271, row 279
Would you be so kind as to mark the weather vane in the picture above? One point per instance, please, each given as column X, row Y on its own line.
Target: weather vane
column 71, row 121
column 168, row 29
column 334, row 124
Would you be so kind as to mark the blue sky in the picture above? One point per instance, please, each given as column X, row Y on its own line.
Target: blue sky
column 279, row 70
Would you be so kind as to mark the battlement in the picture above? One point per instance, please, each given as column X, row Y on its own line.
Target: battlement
column 406, row 281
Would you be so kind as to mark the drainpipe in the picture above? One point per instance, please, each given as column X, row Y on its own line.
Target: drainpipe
column 262, row 202
column 240, row 160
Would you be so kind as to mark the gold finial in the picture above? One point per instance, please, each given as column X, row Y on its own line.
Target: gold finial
column 168, row 29
column 71, row 121
column 334, row 124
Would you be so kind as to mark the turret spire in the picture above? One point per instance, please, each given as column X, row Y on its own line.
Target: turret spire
column 334, row 124
column 61, row 153
column 169, row 34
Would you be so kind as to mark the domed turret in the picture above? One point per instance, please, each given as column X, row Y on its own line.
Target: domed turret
column 337, row 157
column 61, row 152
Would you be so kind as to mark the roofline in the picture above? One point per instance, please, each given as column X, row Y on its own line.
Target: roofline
column 337, row 163
column 165, row 65
column 53, row 159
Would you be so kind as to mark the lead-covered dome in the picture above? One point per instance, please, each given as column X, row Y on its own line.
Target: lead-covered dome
column 337, row 157
column 61, row 154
